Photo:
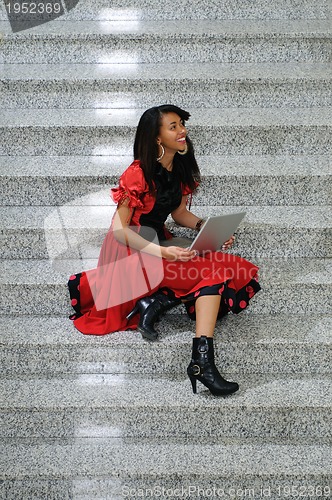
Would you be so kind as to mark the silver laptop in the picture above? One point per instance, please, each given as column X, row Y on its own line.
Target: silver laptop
column 212, row 235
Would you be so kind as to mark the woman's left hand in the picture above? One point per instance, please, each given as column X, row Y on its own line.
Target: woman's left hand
column 228, row 243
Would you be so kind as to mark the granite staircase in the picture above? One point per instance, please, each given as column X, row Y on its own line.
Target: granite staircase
column 114, row 417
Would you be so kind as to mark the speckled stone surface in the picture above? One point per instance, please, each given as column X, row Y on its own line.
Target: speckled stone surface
column 166, row 73
column 278, row 345
column 29, row 331
column 108, row 405
column 297, row 285
column 229, row 463
column 241, row 28
column 226, row 180
column 143, row 95
column 194, row 85
column 276, row 270
column 144, row 42
column 217, row 165
column 235, row 131
column 117, row 489
column 197, row 9
column 126, row 117
column 55, row 232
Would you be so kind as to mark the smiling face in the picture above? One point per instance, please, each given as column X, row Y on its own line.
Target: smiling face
column 172, row 133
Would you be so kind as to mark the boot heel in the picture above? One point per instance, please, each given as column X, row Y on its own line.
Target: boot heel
column 132, row 312
column 193, row 381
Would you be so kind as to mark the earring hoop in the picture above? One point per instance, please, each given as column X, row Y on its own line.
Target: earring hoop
column 162, row 152
column 184, row 152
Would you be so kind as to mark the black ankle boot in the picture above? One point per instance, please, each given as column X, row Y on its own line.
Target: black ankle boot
column 202, row 368
column 149, row 309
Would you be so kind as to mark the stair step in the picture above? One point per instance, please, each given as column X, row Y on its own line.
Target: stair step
column 128, row 118
column 120, row 74
column 136, row 406
column 114, row 468
column 246, row 344
column 234, row 131
column 35, row 287
column 43, row 232
column 137, row 10
column 234, row 180
column 148, row 42
column 203, row 85
column 131, row 29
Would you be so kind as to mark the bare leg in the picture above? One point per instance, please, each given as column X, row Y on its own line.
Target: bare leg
column 207, row 308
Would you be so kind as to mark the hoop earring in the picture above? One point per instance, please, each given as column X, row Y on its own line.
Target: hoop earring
column 184, row 152
column 162, row 152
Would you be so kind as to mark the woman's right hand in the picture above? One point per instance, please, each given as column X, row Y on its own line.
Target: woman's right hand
column 174, row 253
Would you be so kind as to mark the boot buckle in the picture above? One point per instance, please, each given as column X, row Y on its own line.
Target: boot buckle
column 196, row 370
column 203, row 348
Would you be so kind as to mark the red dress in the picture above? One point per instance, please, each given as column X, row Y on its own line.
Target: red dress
column 103, row 297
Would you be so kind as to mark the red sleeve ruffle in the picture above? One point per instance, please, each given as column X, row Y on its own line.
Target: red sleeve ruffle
column 132, row 186
column 186, row 189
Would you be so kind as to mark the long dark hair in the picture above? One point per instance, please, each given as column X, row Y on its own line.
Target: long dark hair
column 146, row 147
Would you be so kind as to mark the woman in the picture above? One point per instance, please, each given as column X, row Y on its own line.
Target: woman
column 138, row 277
